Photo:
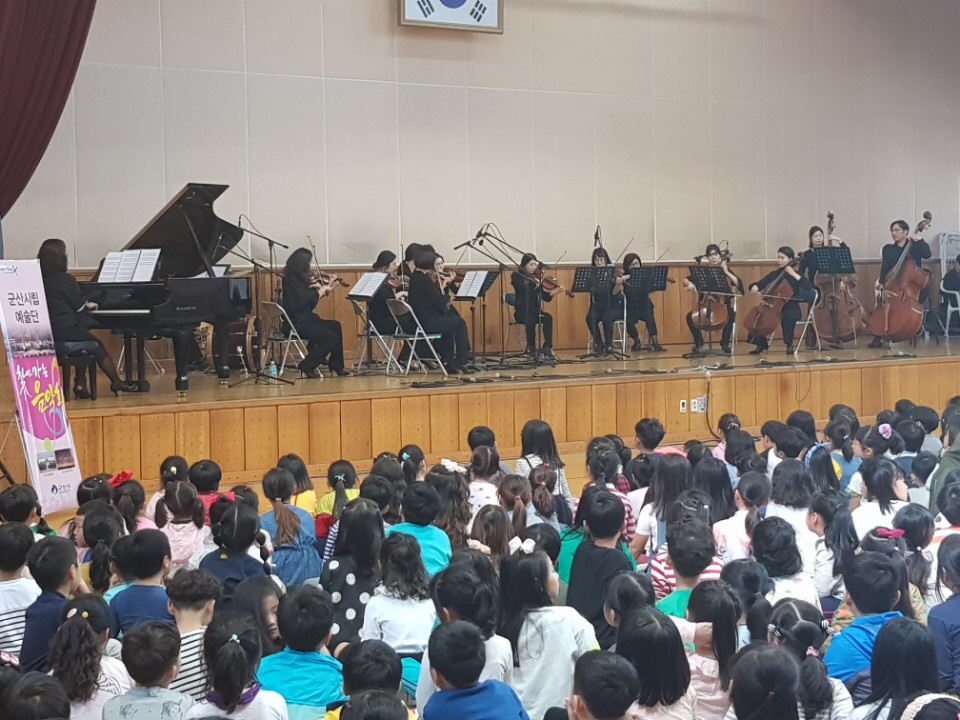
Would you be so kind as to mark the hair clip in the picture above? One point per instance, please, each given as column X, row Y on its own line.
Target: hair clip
column 73, row 611
column 888, row 534
column 911, row 711
column 478, row 546
column 234, row 639
column 885, row 430
column 811, row 650
column 120, row 478
column 526, row 547
column 172, row 470
column 340, row 478
column 405, row 456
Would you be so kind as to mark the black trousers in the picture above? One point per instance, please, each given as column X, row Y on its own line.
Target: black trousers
column 454, row 346
column 643, row 312
column 605, row 316
column 724, row 336
column 530, row 323
column 104, row 361
column 324, row 342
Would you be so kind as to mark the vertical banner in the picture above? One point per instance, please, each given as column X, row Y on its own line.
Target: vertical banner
column 37, row 386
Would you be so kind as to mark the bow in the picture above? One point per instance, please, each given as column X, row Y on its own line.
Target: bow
column 888, row 534
column 120, row 478
column 478, row 546
column 231, row 496
column 885, row 431
column 526, row 547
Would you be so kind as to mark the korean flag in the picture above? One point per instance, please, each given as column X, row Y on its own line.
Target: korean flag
column 478, row 14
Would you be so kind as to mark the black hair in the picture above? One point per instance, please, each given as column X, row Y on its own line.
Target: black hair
column 904, row 406
column 749, row 579
column 923, row 465
column 341, row 476
column 192, row 589
column 231, row 650
column 484, row 462
column 49, row 561
column 792, row 442
column 410, row 252
column 278, row 486
column 515, row 495
column 948, row 501
column 674, row 475
column 15, row 543
column 536, row 438
column 384, row 258
column 411, row 457
column 607, row 683
column 36, row 696
column 129, row 499
column 912, row 435
column 803, row 421
column 146, row 553
column 361, row 535
column 460, row 590
column 481, row 435
column 523, row 587
column 711, row 477
column 120, row 558
column 421, row 504
column 892, row 679
column 401, row 568
column 629, row 259
column 934, row 706
column 821, row 468
column 298, row 468
column 425, row 259
column 801, row 628
column 18, row 503
column 752, row 462
column 370, row 665
column 690, row 547
column 691, row 506
column 840, row 411
column 774, row 543
column 173, row 468
column 840, row 435
column 453, row 490
column 492, row 527
column 242, row 494
column 150, row 650
column 206, row 475
column 754, row 489
column 879, row 479
column 948, row 565
column 482, row 564
column 873, row 438
column 75, row 649
column 918, row 525
column 101, row 529
column 695, row 451
column 52, row 256
column 872, row 582
column 840, row 535
column 651, row 642
column 792, row 485
column 629, row 592
column 248, row 598
column 728, row 422
column 650, row 432
column 605, row 516
column 298, row 264
column 94, row 487
column 388, row 467
column 305, row 617
column 180, row 499
column 380, row 490
column 715, row 602
column 457, row 653
column 374, row 705
column 237, row 527
column 766, row 683
column 738, row 444
column 600, row 252
column 926, row 417
column 895, row 550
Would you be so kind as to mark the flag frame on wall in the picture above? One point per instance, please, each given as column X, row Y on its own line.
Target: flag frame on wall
column 470, row 15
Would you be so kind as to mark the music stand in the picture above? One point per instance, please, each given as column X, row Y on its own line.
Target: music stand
column 475, row 286
column 366, row 287
column 650, row 279
column 595, row 278
column 711, row 280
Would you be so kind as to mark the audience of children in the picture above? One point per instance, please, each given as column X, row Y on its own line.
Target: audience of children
column 304, row 496
column 17, row 592
column 192, row 596
column 419, row 507
column 291, row 530
column 181, row 518
column 146, row 599
column 259, row 598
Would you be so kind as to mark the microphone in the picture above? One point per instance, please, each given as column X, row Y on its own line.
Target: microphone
column 699, row 258
column 596, row 237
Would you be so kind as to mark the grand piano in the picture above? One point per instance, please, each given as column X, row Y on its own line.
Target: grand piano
column 174, row 301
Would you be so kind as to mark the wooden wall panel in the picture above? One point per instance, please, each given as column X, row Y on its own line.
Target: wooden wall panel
column 193, row 435
column 744, row 399
column 526, row 406
column 851, row 389
column 500, row 418
column 768, row 397
column 158, row 437
column 579, row 413
column 293, row 430
column 385, row 425
column 553, row 410
column 415, row 423
column 355, row 441
column 674, row 392
column 629, row 407
column 604, row 409
column 444, row 423
column 121, row 444
column 871, row 384
column 325, row 433
column 472, row 412
column 88, row 439
column 654, row 400
column 227, row 434
column 261, row 445
column 949, row 385
column 721, row 395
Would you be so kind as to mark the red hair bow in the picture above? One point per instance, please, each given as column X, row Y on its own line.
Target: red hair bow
column 120, row 478
column 889, row 534
column 231, row 496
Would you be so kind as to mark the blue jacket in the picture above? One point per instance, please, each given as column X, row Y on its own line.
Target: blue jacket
column 851, row 650
column 308, row 681
column 297, row 562
column 944, row 622
column 490, row 700
column 434, row 544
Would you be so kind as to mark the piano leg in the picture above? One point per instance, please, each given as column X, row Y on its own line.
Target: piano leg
column 127, row 357
column 142, row 364
column 222, row 351
column 182, row 381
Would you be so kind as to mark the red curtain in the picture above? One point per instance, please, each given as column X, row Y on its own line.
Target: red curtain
column 41, row 42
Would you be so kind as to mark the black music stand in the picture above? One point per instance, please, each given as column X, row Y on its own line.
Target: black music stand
column 364, row 291
column 711, row 280
column 472, row 289
column 648, row 279
column 595, row 278
column 834, row 260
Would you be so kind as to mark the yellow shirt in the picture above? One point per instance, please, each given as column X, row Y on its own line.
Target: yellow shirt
column 325, row 506
column 335, row 714
column 307, row 500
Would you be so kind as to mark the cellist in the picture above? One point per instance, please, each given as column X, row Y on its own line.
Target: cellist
column 790, row 313
column 903, row 242
column 715, row 259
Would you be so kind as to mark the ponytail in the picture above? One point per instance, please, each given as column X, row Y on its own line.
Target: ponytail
column 411, row 458
column 101, row 529
column 840, row 536
column 278, row 487
column 100, row 574
column 340, row 476
column 754, row 491
column 603, row 464
column 180, row 499
column 232, row 650
column 715, row 602
column 75, row 650
column 543, row 480
column 802, row 630
column 42, row 527
column 128, row 499
column 917, row 525
column 515, row 495
column 840, row 436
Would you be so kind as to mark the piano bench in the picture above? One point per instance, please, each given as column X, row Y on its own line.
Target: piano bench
column 78, row 357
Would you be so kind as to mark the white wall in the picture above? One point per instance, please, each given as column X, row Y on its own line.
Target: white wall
column 677, row 121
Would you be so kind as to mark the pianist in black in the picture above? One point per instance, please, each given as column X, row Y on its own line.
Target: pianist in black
column 430, row 302
column 301, row 293
column 68, row 314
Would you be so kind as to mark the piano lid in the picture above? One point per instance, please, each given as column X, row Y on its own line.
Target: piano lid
column 189, row 234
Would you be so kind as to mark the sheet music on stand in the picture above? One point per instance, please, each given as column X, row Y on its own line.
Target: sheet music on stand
column 834, row 260
column 650, row 279
column 592, row 279
column 475, row 284
column 709, row 279
column 367, row 286
column 129, row 266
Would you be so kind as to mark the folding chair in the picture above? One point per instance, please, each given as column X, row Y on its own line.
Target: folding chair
column 279, row 330
column 952, row 309
column 399, row 309
column 519, row 328
column 368, row 335
column 808, row 325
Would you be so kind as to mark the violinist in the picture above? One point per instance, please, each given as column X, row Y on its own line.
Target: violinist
column 450, row 285
column 903, row 242
column 715, row 258
column 605, row 306
column 528, row 308
column 377, row 311
column 639, row 307
column 430, row 302
column 790, row 313
column 302, row 290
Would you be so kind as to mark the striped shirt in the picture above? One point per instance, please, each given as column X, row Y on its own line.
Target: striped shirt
column 15, row 597
column 665, row 582
column 192, row 678
column 629, row 521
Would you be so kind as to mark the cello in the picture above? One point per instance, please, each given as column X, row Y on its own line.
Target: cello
column 764, row 319
column 898, row 313
column 710, row 311
column 838, row 315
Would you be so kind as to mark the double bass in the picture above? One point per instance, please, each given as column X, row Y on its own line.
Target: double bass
column 838, row 315
column 764, row 319
column 899, row 314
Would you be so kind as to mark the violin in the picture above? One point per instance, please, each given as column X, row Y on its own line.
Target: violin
column 838, row 314
column 398, row 282
column 710, row 312
column 549, row 283
column 319, row 277
column 898, row 313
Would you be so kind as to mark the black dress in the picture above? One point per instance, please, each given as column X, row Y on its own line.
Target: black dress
column 324, row 337
column 528, row 309
column 790, row 314
column 432, row 308
column 639, row 307
column 605, row 309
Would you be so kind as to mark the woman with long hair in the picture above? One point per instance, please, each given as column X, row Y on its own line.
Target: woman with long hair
column 528, row 304
column 639, row 306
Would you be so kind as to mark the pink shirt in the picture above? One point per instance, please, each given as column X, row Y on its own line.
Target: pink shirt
column 731, row 537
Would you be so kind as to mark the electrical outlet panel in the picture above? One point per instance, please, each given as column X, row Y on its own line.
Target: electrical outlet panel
column 683, row 406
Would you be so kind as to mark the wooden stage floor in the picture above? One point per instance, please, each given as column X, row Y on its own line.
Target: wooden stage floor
column 245, row 428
